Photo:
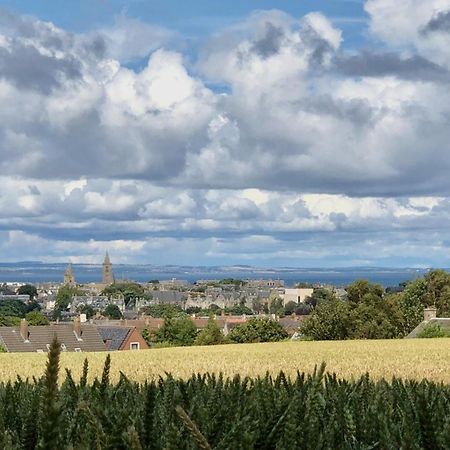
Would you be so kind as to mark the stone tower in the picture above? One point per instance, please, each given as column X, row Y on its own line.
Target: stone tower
column 69, row 277
column 108, row 277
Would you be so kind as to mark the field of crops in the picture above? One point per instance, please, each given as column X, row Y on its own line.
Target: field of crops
column 416, row 358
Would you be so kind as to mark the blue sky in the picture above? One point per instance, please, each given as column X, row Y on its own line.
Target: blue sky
column 289, row 133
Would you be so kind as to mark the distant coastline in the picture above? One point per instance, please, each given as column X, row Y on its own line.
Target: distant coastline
column 41, row 272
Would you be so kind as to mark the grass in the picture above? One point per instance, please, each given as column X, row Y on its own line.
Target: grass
column 414, row 358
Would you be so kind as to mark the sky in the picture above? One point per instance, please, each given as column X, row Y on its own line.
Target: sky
column 289, row 133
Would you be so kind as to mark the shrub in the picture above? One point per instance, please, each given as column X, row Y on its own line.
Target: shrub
column 257, row 330
column 433, row 330
column 211, row 335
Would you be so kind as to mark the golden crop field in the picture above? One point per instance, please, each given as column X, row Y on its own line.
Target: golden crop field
column 415, row 358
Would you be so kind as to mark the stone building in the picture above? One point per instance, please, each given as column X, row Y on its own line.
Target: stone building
column 69, row 277
column 108, row 277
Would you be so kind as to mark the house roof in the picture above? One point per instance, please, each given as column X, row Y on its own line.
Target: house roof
column 114, row 337
column 40, row 336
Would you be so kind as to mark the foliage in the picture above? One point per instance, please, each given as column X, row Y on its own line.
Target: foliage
column 2, row 349
column 359, row 289
column 329, row 321
column 64, row 297
column 239, row 310
column 308, row 411
column 13, row 307
column 276, row 306
column 290, row 308
column 257, row 330
column 177, row 331
column 36, row 318
column 28, row 289
column 318, row 295
column 9, row 321
column 86, row 309
column 210, row 335
column 433, row 330
column 130, row 291
column 163, row 310
column 112, row 312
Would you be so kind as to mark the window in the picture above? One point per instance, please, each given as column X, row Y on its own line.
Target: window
column 134, row 346
column 77, row 349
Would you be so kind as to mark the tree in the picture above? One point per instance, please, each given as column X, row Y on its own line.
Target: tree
column 276, row 306
column 239, row 310
column 129, row 290
column 36, row 318
column 211, row 335
column 257, row 330
column 163, row 310
column 359, row 288
column 112, row 312
column 177, row 331
column 86, row 309
column 33, row 305
column 13, row 307
column 9, row 321
column 28, row 289
column 412, row 302
column 328, row 321
column 290, row 308
column 64, row 297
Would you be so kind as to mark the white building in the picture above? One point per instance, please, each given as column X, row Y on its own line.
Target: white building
column 297, row 295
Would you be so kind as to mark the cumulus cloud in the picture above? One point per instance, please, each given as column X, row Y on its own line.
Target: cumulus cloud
column 306, row 139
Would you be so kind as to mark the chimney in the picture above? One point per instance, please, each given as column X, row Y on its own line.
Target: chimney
column 77, row 327
column 24, row 330
column 429, row 313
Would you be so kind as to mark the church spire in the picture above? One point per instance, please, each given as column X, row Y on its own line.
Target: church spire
column 107, row 273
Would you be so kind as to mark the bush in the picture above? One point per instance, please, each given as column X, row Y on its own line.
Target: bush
column 112, row 312
column 211, row 335
column 257, row 330
column 433, row 330
column 36, row 318
column 177, row 331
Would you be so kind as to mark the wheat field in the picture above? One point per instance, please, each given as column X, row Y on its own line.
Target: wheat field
column 415, row 358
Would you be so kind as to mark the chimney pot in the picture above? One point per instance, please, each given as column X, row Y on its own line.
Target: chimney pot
column 24, row 330
column 429, row 313
column 77, row 327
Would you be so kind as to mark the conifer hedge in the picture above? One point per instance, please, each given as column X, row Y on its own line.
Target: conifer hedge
column 315, row 411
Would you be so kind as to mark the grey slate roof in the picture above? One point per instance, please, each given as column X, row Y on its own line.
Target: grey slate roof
column 116, row 336
column 41, row 336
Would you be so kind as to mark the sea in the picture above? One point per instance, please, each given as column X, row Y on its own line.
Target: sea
column 36, row 272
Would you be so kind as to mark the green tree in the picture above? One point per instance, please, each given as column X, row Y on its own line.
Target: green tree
column 276, row 306
column 112, row 312
column 86, row 309
column 28, row 289
column 13, row 307
column 9, row 321
column 177, row 331
column 36, row 318
column 257, row 330
column 412, row 302
column 360, row 288
column 163, row 310
column 290, row 308
column 64, row 297
column 239, row 310
column 129, row 290
column 328, row 321
column 211, row 335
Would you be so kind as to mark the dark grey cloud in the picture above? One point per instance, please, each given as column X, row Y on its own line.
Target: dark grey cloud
column 28, row 68
column 374, row 64
column 440, row 22
column 270, row 42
